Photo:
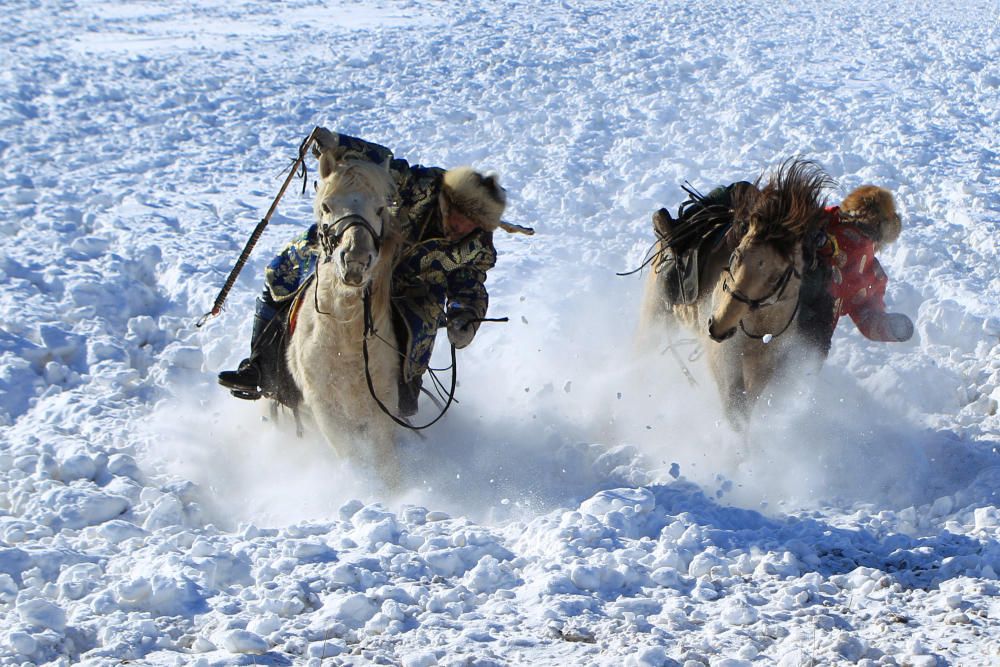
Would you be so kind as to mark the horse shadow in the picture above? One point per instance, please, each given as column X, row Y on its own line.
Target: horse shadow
column 914, row 562
column 493, row 471
column 847, row 447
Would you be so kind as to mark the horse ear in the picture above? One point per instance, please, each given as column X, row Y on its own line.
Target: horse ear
column 326, row 162
column 661, row 222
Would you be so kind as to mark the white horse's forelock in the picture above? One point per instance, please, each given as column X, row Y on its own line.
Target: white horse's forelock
column 353, row 175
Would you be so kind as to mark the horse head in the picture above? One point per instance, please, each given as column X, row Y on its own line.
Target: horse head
column 771, row 227
column 352, row 214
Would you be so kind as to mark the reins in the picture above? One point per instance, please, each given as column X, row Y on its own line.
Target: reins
column 370, row 332
column 330, row 236
column 705, row 221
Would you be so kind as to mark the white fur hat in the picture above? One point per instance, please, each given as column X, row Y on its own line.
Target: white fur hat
column 477, row 197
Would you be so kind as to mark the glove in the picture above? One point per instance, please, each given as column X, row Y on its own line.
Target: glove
column 461, row 328
column 900, row 326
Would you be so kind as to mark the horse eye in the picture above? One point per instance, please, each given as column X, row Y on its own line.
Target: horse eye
column 326, row 209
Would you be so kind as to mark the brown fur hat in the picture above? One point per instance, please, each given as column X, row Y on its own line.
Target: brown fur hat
column 477, row 197
column 873, row 210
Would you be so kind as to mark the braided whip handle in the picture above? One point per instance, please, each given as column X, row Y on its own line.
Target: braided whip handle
column 258, row 230
column 234, row 273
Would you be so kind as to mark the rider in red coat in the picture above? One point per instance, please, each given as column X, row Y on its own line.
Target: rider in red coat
column 863, row 223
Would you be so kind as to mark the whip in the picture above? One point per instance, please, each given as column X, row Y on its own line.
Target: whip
column 259, row 229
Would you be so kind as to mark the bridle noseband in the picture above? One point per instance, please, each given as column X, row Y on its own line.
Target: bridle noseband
column 771, row 298
column 331, row 234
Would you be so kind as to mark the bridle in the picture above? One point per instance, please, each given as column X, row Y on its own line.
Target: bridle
column 771, row 298
column 332, row 233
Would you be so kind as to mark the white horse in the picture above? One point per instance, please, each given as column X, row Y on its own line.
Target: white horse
column 358, row 240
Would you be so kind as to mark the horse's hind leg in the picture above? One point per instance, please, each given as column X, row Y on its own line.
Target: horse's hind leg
column 653, row 315
column 299, row 430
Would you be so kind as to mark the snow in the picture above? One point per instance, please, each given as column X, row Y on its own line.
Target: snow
column 579, row 505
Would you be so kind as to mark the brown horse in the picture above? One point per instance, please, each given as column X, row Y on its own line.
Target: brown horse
column 750, row 278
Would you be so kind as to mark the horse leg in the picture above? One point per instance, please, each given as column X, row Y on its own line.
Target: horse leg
column 385, row 454
column 738, row 406
column 368, row 444
column 724, row 360
column 652, row 314
column 375, row 448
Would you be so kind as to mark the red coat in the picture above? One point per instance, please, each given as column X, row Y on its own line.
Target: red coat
column 857, row 281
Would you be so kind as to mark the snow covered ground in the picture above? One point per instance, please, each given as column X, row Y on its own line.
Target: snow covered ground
column 579, row 506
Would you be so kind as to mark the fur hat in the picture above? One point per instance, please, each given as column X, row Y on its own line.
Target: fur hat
column 873, row 210
column 477, row 197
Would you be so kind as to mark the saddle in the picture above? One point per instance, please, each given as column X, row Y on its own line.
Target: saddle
column 701, row 224
column 677, row 265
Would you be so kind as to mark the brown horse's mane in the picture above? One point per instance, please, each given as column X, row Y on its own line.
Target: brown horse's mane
column 788, row 208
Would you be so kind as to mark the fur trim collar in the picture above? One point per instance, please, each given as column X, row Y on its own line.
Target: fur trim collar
column 873, row 210
column 479, row 198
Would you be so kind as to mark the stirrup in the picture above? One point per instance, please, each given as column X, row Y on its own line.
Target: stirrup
column 246, row 395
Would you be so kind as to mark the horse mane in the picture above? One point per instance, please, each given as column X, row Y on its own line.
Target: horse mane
column 788, row 208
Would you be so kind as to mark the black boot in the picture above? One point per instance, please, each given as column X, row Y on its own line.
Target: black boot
column 247, row 380
column 409, row 396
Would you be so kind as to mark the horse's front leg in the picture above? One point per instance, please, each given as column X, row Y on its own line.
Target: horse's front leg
column 757, row 375
column 369, row 445
column 385, row 450
column 725, row 362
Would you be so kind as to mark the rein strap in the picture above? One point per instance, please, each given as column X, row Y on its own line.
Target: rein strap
column 369, row 332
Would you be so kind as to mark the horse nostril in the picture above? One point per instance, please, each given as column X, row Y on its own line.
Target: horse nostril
column 718, row 338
